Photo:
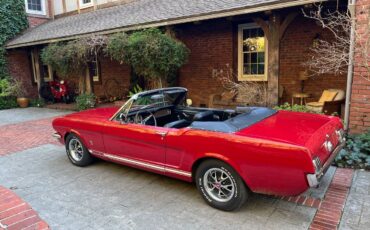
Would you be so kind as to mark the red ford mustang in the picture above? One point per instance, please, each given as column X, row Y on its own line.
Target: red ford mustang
column 227, row 153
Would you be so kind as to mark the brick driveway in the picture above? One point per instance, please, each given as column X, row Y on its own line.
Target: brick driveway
column 109, row 196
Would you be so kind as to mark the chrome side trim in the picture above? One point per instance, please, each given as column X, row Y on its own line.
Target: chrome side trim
column 142, row 164
column 56, row 135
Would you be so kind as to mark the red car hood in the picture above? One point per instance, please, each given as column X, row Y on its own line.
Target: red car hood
column 100, row 113
column 302, row 129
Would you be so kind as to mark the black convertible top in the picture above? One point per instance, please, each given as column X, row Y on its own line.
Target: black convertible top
column 249, row 116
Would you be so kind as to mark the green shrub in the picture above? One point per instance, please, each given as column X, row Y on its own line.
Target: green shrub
column 356, row 154
column 85, row 101
column 152, row 53
column 8, row 102
column 5, row 87
column 13, row 19
column 38, row 102
column 295, row 108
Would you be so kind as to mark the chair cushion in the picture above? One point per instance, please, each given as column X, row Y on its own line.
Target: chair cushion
column 340, row 94
column 328, row 96
column 315, row 104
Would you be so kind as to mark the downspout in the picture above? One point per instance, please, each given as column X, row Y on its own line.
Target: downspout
column 352, row 10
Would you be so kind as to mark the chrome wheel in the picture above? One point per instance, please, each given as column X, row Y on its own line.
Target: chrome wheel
column 75, row 149
column 219, row 184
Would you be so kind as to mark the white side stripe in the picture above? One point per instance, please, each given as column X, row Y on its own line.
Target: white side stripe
column 142, row 164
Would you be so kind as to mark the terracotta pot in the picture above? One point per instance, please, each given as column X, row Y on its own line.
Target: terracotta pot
column 23, row 102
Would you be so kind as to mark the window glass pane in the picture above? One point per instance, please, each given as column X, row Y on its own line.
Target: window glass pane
column 261, row 69
column 253, row 57
column 254, row 69
column 34, row 5
column 247, row 58
column 253, row 44
column 86, row 1
column 94, row 71
column 261, row 57
column 247, row 69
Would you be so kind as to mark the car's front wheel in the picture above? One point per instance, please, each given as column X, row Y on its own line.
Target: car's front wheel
column 77, row 152
column 220, row 185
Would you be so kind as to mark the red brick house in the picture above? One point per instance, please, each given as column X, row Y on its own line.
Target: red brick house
column 213, row 30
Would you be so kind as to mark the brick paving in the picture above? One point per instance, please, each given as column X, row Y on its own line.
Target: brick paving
column 331, row 208
column 29, row 134
column 17, row 214
column 356, row 213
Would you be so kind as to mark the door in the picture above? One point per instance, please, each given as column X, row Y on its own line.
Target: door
column 135, row 144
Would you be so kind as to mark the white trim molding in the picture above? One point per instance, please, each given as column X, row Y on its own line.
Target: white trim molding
column 143, row 164
column 86, row 5
column 37, row 12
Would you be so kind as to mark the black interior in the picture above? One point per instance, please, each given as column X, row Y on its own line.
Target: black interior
column 181, row 117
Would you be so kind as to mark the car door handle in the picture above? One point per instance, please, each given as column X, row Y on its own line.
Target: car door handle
column 161, row 133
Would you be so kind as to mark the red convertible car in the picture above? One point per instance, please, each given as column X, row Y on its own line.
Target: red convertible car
column 227, row 153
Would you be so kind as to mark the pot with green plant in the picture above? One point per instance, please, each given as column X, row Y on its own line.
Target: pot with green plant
column 18, row 90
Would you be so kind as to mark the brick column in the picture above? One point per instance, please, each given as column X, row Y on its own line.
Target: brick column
column 359, row 120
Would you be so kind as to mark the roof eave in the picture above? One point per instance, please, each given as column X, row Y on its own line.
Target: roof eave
column 229, row 13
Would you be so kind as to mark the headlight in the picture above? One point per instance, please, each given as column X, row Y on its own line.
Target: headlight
column 317, row 164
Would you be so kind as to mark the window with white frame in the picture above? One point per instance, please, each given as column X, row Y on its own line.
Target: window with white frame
column 86, row 3
column 252, row 53
column 35, row 7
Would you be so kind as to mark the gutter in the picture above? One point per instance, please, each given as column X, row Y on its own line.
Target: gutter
column 168, row 22
column 352, row 9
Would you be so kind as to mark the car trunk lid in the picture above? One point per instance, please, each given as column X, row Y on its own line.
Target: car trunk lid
column 302, row 129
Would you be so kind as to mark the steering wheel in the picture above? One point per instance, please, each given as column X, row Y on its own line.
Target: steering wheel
column 144, row 120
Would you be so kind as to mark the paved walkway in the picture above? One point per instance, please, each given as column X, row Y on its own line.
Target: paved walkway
column 110, row 196
column 357, row 210
column 17, row 214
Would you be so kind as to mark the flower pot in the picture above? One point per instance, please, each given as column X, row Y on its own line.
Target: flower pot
column 23, row 102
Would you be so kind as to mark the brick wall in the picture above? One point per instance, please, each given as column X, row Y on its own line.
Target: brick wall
column 360, row 98
column 294, row 50
column 19, row 68
column 211, row 46
column 115, row 78
column 35, row 21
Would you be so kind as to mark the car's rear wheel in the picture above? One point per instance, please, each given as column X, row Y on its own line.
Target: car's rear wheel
column 220, row 185
column 77, row 152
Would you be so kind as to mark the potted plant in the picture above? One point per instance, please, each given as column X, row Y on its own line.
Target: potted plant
column 19, row 91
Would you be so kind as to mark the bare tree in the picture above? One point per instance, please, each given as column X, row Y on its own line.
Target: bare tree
column 333, row 56
column 247, row 92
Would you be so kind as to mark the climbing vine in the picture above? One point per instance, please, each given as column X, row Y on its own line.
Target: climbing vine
column 13, row 20
column 154, row 55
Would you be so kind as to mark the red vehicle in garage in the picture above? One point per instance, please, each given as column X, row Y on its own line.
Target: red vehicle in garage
column 227, row 153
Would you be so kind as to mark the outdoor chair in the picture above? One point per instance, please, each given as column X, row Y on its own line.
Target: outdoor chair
column 329, row 103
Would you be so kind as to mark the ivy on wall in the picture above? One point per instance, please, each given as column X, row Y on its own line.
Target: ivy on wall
column 153, row 54
column 13, row 19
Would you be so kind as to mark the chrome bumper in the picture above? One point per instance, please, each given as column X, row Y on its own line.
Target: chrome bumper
column 56, row 136
column 314, row 179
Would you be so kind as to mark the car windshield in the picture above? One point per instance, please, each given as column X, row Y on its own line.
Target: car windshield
column 154, row 99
